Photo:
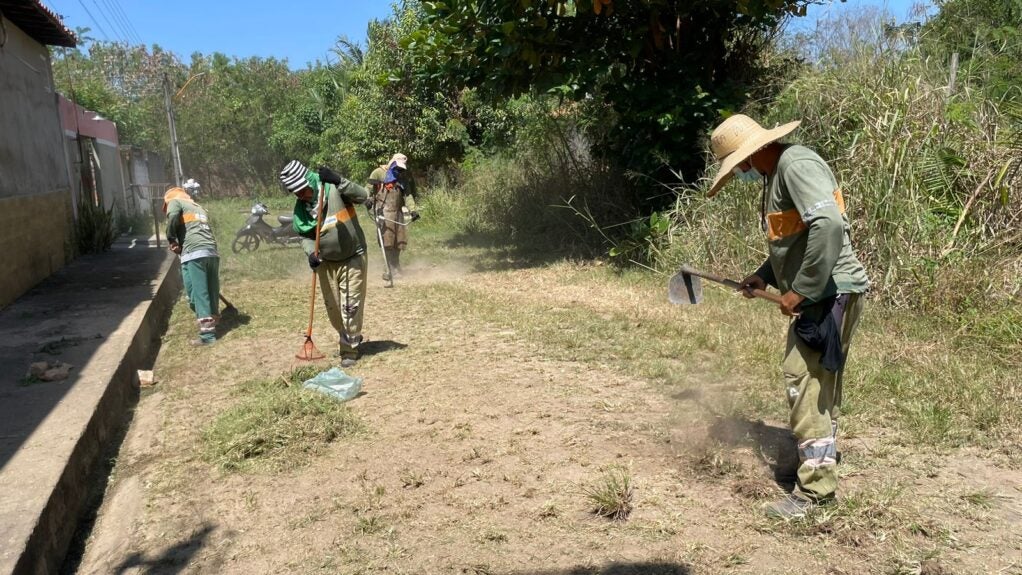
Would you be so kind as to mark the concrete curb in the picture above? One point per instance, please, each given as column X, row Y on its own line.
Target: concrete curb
column 55, row 522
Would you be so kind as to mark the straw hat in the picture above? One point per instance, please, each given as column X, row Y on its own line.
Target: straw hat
column 735, row 140
column 174, row 194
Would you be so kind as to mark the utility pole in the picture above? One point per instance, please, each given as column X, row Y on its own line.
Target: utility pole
column 175, row 153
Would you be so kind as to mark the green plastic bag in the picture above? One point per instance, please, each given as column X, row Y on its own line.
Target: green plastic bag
column 336, row 384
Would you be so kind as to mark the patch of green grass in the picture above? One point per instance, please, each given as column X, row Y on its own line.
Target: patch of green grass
column 875, row 514
column 984, row 498
column 277, row 426
column 611, row 495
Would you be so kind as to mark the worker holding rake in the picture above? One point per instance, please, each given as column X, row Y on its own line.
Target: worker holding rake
column 822, row 284
column 325, row 203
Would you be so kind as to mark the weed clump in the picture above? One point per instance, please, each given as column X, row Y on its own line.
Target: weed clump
column 278, row 425
column 611, row 495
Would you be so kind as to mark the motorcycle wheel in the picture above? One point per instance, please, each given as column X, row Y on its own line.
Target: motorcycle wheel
column 245, row 243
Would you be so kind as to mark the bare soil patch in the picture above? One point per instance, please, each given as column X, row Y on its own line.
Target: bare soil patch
column 487, row 418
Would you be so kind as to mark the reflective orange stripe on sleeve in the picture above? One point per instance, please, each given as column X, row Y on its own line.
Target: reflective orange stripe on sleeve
column 345, row 215
column 788, row 223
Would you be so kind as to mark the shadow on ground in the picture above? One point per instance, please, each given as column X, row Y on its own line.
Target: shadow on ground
column 642, row 568
column 374, row 347
column 774, row 445
column 505, row 253
column 230, row 319
column 174, row 559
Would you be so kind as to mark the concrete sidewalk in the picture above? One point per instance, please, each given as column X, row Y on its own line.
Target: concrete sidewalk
column 103, row 314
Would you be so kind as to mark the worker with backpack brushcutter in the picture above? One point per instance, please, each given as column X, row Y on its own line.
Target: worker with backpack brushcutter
column 341, row 261
column 190, row 236
column 392, row 191
column 822, row 284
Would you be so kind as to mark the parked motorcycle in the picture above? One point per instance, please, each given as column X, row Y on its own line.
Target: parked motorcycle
column 255, row 231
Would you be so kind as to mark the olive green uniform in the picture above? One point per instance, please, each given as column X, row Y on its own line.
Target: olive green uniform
column 810, row 252
column 388, row 201
column 342, row 249
column 188, row 225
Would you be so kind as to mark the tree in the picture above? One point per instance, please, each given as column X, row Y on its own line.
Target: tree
column 225, row 119
column 667, row 69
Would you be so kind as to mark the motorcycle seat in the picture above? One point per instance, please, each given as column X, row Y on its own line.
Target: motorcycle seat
column 285, row 220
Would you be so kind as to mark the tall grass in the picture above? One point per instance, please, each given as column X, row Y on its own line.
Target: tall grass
column 930, row 179
column 532, row 193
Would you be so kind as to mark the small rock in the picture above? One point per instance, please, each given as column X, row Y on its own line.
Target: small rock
column 56, row 372
column 37, row 369
column 146, row 378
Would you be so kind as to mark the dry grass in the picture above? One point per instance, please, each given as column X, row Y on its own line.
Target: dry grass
column 276, row 425
column 611, row 495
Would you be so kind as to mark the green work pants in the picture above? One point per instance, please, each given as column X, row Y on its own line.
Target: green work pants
column 202, row 286
column 343, row 284
column 814, row 395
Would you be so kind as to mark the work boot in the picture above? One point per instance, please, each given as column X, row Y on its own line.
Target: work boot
column 348, row 361
column 795, row 505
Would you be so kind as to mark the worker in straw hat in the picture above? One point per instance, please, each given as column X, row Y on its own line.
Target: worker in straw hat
column 393, row 191
column 190, row 236
column 822, row 284
column 341, row 261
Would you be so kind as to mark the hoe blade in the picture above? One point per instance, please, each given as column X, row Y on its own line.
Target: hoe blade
column 684, row 289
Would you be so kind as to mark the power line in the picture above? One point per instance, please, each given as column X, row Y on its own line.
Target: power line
column 131, row 25
column 120, row 19
column 105, row 10
column 117, row 33
column 94, row 21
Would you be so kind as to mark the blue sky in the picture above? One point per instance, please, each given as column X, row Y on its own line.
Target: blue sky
column 301, row 31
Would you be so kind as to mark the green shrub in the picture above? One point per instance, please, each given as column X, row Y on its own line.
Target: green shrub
column 94, row 231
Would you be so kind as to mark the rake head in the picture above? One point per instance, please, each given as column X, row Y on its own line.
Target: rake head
column 309, row 351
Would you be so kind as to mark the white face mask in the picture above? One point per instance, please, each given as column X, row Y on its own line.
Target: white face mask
column 750, row 177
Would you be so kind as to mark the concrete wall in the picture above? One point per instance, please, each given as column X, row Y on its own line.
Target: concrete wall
column 35, row 197
column 146, row 175
column 99, row 134
column 31, row 153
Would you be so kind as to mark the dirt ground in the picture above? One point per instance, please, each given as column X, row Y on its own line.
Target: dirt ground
column 481, row 436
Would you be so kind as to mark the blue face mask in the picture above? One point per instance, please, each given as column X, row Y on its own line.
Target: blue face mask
column 750, row 177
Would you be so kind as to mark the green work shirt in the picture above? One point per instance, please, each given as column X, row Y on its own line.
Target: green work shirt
column 188, row 225
column 341, row 236
column 808, row 239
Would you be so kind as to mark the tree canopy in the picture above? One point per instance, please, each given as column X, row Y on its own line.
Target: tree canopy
column 666, row 69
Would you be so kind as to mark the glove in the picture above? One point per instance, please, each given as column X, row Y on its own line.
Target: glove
column 314, row 261
column 415, row 215
column 329, row 176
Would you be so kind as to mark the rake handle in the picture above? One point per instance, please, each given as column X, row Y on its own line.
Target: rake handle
column 732, row 284
column 312, row 297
